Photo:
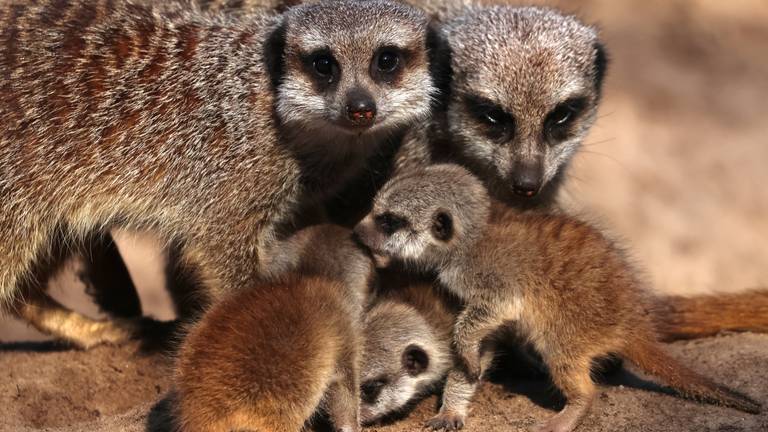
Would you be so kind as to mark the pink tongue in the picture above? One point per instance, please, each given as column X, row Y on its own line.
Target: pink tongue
column 381, row 261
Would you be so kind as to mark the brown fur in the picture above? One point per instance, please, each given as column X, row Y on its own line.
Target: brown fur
column 680, row 317
column 189, row 126
column 267, row 357
column 264, row 359
column 568, row 289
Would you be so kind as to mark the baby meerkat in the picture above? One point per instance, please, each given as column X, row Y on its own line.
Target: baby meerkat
column 407, row 348
column 408, row 339
column 210, row 132
column 267, row 357
column 524, row 88
column 568, row 290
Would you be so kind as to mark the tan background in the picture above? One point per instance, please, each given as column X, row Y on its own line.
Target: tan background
column 676, row 166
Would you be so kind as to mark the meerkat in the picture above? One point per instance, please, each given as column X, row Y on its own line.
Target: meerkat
column 523, row 91
column 408, row 330
column 407, row 351
column 267, row 357
column 211, row 133
column 567, row 288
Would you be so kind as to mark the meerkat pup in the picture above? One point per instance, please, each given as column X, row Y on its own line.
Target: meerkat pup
column 267, row 357
column 211, row 133
column 408, row 330
column 524, row 88
column 568, row 290
column 407, row 350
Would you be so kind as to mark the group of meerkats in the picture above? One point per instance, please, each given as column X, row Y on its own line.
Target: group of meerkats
column 235, row 131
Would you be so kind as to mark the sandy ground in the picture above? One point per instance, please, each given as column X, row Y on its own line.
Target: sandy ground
column 675, row 166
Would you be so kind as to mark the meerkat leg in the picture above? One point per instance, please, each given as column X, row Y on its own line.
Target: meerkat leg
column 472, row 326
column 37, row 308
column 343, row 396
column 457, row 395
column 572, row 377
column 50, row 317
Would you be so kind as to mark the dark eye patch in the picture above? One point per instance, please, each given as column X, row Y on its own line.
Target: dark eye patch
column 557, row 124
column 371, row 389
column 322, row 67
column 389, row 223
column 493, row 117
column 387, row 64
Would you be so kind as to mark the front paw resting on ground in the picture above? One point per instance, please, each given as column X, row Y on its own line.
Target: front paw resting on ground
column 445, row 421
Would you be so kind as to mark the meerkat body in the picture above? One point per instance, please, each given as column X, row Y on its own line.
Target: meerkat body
column 210, row 133
column 568, row 290
column 268, row 356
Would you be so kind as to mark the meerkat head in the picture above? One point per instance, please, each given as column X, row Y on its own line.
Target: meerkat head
column 403, row 360
column 354, row 67
column 423, row 216
column 525, row 90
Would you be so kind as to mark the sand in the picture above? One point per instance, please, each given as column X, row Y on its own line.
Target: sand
column 675, row 167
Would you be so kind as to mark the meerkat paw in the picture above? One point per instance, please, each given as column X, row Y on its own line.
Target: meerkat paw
column 558, row 423
column 446, row 421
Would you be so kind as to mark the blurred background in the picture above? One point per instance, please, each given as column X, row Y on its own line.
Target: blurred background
column 676, row 166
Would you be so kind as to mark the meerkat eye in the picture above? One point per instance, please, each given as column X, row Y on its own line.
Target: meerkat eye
column 499, row 122
column 371, row 389
column 559, row 119
column 389, row 223
column 493, row 117
column 387, row 61
column 442, row 226
column 323, row 65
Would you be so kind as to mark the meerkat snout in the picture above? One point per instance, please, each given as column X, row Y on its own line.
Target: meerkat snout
column 526, row 178
column 360, row 108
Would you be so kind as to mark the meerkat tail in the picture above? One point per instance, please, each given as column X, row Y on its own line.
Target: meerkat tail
column 706, row 315
column 651, row 358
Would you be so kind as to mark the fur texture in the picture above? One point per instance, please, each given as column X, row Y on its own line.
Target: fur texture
column 568, row 289
column 187, row 125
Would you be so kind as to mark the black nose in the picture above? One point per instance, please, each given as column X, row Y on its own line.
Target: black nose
column 526, row 180
column 361, row 109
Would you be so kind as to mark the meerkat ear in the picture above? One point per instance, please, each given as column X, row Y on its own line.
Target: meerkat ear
column 415, row 360
column 442, row 225
column 601, row 65
column 274, row 50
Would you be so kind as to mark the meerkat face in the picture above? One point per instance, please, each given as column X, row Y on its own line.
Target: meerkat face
column 402, row 360
column 526, row 85
column 354, row 67
column 421, row 217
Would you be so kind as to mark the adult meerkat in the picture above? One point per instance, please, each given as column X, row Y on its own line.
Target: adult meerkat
column 268, row 356
column 567, row 289
column 525, row 84
column 192, row 127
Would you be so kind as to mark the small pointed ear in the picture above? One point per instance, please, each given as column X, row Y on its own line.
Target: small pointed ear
column 601, row 65
column 274, row 54
column 442, row 225
column 415, row 360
